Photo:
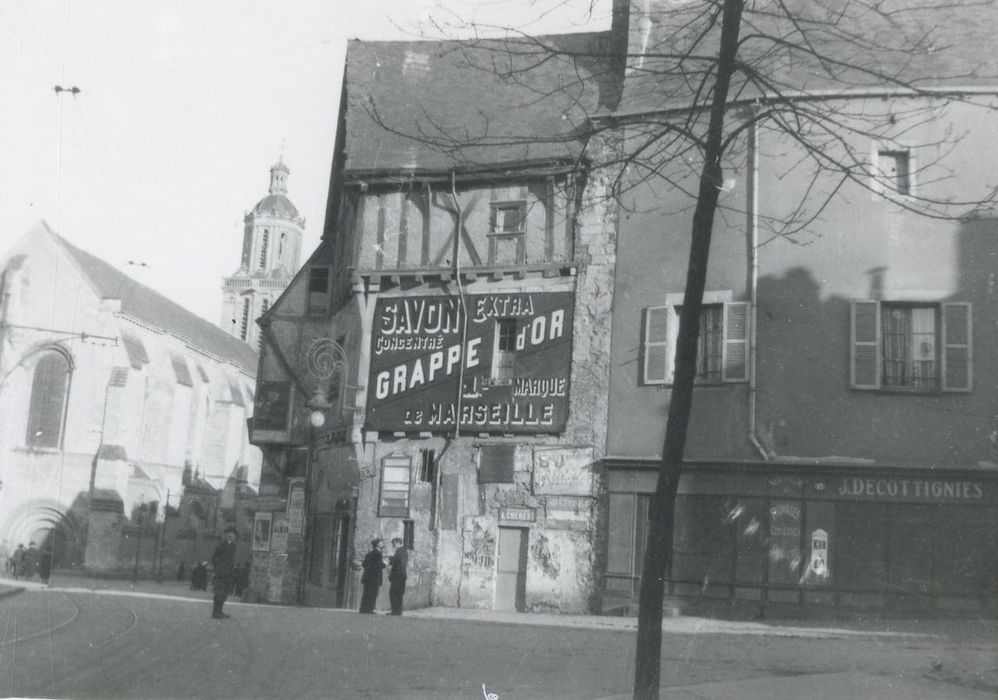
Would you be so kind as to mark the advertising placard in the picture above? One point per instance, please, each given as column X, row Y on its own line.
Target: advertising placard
column 563, row 471
column 513, row 365
column 279, row 535
column 261, row 532
column 296, row 506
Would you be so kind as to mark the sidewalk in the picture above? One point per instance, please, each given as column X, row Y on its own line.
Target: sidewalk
column 180, row 590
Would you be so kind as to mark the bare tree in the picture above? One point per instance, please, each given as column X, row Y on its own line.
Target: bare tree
column 676, row 104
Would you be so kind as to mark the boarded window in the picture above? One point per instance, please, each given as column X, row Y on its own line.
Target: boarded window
column 495, row 464
column 49, row 387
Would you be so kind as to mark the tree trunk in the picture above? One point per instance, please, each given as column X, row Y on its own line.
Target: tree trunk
column 647, row 671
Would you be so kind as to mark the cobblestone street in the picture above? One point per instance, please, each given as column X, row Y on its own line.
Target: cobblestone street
column 77, row 640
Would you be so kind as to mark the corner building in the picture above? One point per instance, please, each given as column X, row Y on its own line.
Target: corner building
column 841, row 452
column 455, row 320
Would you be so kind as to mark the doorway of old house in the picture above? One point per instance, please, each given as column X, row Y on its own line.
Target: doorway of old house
column 340, row 559
column 511, row 576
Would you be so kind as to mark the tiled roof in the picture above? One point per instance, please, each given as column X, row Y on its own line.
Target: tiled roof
column 494, row 99
column 490, row 104
column 155, row 310
column 890, row 44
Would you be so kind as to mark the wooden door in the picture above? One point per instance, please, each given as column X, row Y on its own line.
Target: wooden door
column 511, row 574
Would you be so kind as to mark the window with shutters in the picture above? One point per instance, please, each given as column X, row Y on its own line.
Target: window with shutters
column 722, row 343
column 917, row 347
column 49, row 388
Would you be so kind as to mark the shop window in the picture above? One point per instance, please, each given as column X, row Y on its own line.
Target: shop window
column 395, row 478
column 703, row 545
column 914, row 347
column 49, row 389
column 722, row 343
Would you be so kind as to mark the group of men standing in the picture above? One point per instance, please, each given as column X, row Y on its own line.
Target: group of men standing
column 372, row 578
column 25, row 563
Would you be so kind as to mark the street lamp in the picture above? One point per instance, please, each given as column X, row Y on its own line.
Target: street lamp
column 317, row 406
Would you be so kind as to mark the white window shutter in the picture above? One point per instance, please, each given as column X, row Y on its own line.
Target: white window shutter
column 656, row 345
column 736, row 341
column 957, row 336
column 864, row 361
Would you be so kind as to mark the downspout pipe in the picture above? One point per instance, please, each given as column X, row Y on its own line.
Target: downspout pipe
column 752, row 216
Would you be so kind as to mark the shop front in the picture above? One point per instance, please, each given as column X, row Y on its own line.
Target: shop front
column 756, row 538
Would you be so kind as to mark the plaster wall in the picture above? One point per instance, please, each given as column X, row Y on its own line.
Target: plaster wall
column 858, row 247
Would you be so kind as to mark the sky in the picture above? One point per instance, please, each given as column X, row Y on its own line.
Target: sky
column 183, row 107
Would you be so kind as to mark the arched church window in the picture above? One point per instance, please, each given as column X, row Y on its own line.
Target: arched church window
column 49, row 388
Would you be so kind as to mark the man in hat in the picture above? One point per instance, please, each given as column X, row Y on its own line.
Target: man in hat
column 371, row 579
column 224, row 561
column 397, row 575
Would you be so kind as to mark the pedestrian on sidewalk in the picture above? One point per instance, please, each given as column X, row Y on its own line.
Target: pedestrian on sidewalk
column 397, row 575
column 17, row 561
column 224, row 562
column 29, row 562
column 45, row 565
column 371, row 579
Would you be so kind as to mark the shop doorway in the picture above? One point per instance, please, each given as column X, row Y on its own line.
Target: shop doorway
column 340, row 563
column 511, row 575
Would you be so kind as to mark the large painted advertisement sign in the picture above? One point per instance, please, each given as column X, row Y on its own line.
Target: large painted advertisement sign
column 512, row 363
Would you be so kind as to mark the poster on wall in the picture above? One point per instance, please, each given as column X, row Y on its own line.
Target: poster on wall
column 296, row 506
column 784, row 542
column 817, row 572
column 279, row 535
column 261, row 532
column 513, row 363
column 563, row 471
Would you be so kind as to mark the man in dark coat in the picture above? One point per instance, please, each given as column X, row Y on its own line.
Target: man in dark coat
column 397, row 576
column 224, row 561
column 371, row 578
